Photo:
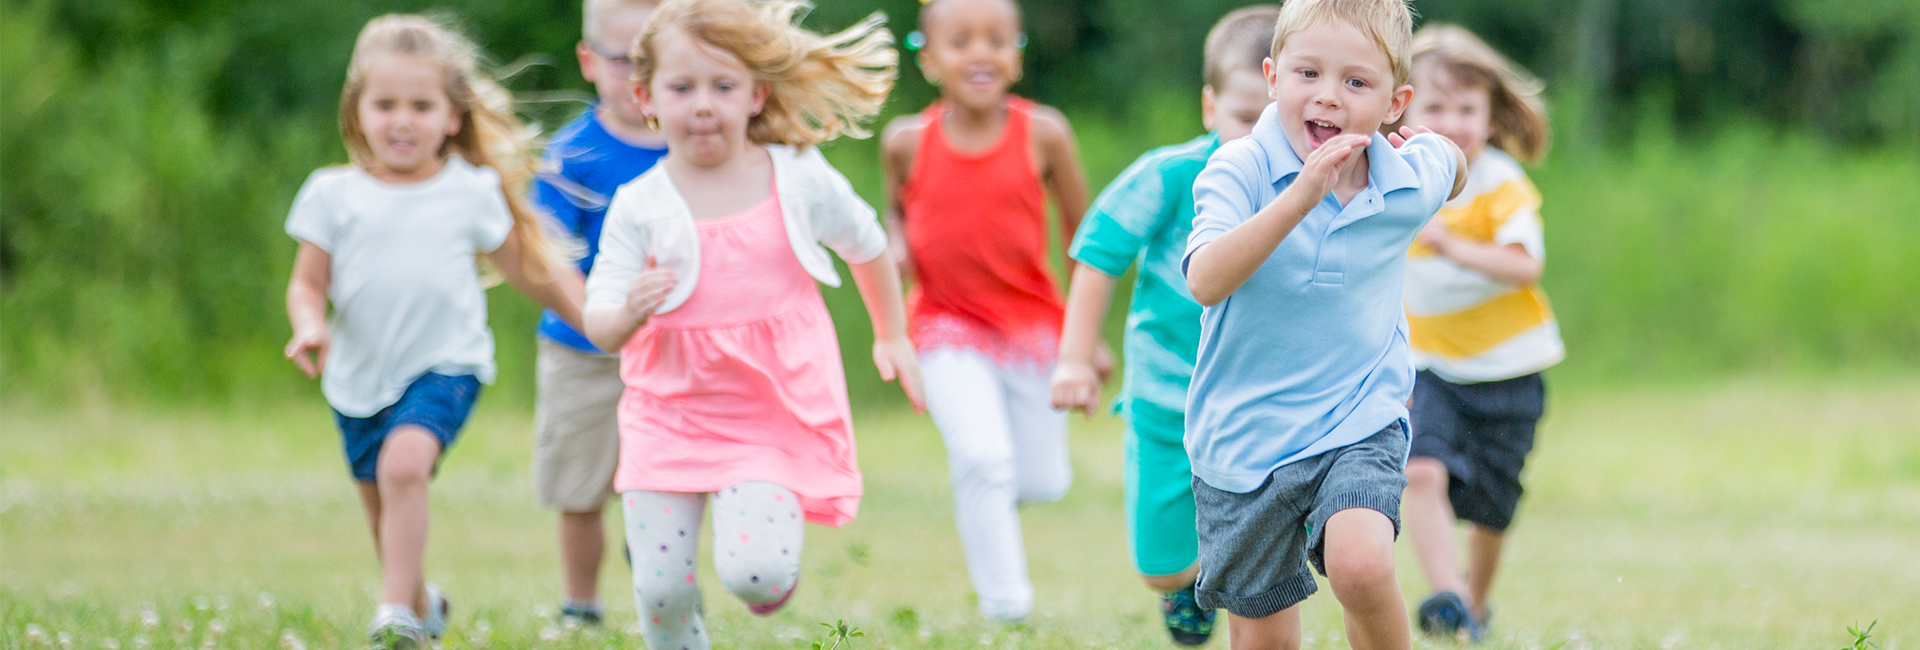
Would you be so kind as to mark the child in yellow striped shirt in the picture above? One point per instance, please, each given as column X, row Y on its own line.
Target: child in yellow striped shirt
column 1480, row 327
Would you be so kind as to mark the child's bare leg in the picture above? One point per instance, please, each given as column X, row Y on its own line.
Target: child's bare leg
column 1428, row 516
column 370, row 502
column 1277, row 631
column 405, row 467
column 1359, row 560
column 1484, row 545
column 583, row 541
column 1173, row 581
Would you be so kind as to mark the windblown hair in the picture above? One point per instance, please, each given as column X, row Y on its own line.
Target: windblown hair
column 1519, row 117
column 819, row 86
column 1239, row 41
column 1388, row 22
column 490, row 135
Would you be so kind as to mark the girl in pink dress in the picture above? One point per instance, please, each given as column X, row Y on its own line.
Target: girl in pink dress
column 706, row 284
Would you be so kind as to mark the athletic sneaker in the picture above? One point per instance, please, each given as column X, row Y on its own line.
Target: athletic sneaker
column 437, row 607
column 396, row 628
column 1444, row 614
column 1186, row 621
column 580, row 615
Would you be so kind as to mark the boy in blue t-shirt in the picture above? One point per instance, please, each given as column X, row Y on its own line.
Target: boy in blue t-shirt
column 1296, row 416
column 1143, row 217
column 576, row 436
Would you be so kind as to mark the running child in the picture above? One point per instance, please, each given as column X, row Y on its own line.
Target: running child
column 1296, row 418
column 438, row 177
column 967, row 182
column 736, row 398
column 1145, row 216
column 575, row 437
column 1481, row 328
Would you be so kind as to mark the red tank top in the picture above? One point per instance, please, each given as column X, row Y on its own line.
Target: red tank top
column 976, row 226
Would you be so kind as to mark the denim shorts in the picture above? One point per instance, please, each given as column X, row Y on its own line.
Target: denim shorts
column 1256, row 548
column 1482, row 432
column 438, row 403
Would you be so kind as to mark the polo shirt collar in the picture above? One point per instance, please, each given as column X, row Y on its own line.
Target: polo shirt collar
column 1386, row 170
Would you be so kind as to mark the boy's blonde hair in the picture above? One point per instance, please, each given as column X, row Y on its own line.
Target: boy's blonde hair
column 1518, row 116
column 819, row 87
column 490, row 135
column 593, row 11
column 1239, row 40
column 1388, row 22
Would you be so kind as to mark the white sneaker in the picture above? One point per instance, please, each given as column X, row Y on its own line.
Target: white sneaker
column 436, row 621
column 396, row 628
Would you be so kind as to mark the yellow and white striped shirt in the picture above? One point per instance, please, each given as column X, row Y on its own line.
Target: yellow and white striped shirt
column 1465, row 326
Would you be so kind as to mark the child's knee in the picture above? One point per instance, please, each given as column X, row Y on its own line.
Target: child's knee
column 1358, row 551
column 1046, row 488
column 760, row 577
column 981, row 467
column 407, row 457
column 1423, row 472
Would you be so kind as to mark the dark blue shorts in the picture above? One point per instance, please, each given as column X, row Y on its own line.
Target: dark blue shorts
column 438, row 403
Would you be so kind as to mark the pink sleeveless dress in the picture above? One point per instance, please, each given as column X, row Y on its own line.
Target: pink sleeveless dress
column 743, row 382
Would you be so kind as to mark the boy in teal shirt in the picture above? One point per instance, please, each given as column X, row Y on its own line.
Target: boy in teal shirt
column 1145, row 215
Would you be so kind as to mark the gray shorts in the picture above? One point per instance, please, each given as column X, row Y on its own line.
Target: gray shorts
column 576, row 436
column 1255, row 548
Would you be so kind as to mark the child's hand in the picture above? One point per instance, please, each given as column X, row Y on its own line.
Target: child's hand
column 896, row 359
column 1323, row 166
column 1103, row 362
column 649, row 291
column 308, row 349
column 1399, row 138
column 1435, row 236
column 1076, row 386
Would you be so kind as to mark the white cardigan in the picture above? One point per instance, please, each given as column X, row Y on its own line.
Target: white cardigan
column 649, row 217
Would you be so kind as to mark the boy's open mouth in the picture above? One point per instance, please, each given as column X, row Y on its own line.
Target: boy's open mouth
column 1320, row 131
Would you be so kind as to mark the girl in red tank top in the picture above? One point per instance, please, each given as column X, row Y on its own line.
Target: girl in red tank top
column 967, row 182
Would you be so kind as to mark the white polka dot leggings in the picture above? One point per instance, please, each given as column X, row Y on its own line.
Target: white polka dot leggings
column 758, row 530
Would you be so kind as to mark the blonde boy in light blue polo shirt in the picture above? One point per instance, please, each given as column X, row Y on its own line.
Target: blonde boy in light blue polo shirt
column 1296, row 417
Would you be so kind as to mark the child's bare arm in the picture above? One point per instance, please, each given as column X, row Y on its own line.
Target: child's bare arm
column 562, row 290
column 307, row 308
column 1076, row 375
column 1510, row 263
column 609, row 326
column 893, row 354
column 898, row 144
column 1061, row 171
column 1218, row 268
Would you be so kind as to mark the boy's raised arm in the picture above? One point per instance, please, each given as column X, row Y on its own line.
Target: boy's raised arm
column 1217, row 269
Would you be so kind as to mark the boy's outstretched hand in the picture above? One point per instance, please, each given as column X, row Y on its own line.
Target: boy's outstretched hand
column 1405, row 133
column 896, row 359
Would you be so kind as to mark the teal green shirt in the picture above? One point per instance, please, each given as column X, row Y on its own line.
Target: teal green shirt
column 1145, row 215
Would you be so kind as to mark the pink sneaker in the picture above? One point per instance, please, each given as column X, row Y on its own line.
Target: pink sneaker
column 770, row 608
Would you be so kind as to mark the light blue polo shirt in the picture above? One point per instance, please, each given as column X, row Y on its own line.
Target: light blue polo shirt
column 1309, row 355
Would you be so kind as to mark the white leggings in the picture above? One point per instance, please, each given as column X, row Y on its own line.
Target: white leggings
column 757, row 534
column 1005, row 446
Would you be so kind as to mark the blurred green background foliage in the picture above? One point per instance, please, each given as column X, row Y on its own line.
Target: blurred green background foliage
column 1732, row 190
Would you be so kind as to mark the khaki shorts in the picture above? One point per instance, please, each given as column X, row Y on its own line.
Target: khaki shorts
column 576, row 436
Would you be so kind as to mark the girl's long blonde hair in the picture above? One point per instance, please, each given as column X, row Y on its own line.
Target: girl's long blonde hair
column 490, row 135
column 820, row 86
column 1519, row 118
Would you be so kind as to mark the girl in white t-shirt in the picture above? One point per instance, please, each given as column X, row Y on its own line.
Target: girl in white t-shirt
column 437, row 181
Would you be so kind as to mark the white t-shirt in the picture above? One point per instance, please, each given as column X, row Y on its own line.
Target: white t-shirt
column 406, row 292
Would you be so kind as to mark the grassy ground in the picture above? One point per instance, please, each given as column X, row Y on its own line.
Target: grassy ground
column 1745, row 515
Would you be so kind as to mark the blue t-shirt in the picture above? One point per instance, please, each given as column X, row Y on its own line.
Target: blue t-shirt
column 584, row 164
column 1309, row 355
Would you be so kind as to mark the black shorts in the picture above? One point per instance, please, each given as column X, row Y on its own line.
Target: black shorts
column 1256, row 547
column 1482, row 433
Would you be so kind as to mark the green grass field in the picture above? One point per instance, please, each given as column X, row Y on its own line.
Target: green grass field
column 1741, row 515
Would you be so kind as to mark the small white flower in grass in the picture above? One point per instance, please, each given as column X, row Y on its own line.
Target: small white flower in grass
column 201, row 603
column 141, row 642
column 549, row 633
column 36, row 634
column 110, row 644
column 289, row 641
column 148, row 617
column 66, row 639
